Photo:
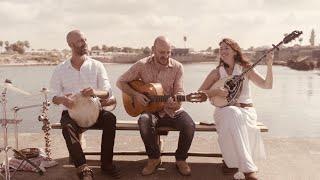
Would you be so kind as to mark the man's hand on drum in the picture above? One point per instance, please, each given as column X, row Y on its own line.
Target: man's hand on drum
column 88, row 92
column 67, row 101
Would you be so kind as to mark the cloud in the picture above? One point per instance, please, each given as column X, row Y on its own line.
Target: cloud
column 136, row 22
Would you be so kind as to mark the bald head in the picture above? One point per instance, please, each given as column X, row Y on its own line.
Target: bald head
column 72, row 35
column 161, row 41
column 77, row 42
column 161, row 50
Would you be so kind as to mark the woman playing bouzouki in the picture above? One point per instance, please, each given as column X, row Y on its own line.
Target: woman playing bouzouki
column 239, row 139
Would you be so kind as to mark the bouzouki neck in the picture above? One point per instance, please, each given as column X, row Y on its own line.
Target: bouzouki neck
column 286, row 40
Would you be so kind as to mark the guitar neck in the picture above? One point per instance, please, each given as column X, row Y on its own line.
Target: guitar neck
column 164, row 98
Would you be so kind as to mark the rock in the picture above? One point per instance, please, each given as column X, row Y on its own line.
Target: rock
column 303, row 64
column 280, row 63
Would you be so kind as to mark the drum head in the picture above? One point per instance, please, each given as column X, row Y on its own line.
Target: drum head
column 85, row 110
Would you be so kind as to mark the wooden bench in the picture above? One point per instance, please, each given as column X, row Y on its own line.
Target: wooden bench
column 162, row 131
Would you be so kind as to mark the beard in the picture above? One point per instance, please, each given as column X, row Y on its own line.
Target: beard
column 82, row 50
column 163, row 60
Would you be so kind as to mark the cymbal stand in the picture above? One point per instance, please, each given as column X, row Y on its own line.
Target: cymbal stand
column 5, row 133
column 5, row 147
column 15, row 118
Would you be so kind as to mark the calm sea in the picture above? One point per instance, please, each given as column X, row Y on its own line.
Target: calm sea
column 290, row 109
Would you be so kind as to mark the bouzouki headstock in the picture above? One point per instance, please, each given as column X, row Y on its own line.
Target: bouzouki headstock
column 291, row 36
column 197, row 97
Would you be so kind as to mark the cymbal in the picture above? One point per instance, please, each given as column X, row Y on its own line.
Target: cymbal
column 7, row 84
column 45, row 91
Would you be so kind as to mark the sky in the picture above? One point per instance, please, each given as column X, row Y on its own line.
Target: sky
column 136, row 23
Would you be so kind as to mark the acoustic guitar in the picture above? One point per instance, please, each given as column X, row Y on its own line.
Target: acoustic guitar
column 154, row 92
column 233, row 84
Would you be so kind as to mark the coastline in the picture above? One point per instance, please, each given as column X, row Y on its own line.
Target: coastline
column 27, row 64
column 54, row 64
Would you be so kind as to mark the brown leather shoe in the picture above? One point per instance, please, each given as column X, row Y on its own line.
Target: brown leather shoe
column 251, row 176
column 151, row 166
column 85, row 173
column 183, row 168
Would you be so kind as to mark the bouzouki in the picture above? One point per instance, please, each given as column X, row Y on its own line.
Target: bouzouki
column 154, row 92
column 233, row 84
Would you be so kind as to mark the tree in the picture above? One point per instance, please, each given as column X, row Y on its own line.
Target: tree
column 146, row 51
column 185, row 41
column 209, row 49
column 114, row 49
column 251, row 48
column 127, row 49
column 26, row 44
column 216, row 51
column 104, row 48
column 300, row 41
column 6, row 43
column 1, row 45
column 312, row 37
column 95, row 48
column 18, row 47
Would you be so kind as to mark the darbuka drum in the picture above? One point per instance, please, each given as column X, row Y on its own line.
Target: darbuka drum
column 85, row 111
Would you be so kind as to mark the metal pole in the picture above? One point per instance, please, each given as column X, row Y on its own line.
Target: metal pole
column 16, row 129
column 5, row 131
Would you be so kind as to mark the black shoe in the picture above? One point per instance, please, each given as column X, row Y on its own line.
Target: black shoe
column 113, row 172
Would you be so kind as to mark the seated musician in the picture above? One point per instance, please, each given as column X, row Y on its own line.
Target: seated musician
column 160, row 68
column 81, row 74
column 239, row 139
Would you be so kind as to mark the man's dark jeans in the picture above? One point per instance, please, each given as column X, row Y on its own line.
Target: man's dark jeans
column 181, row 121
column 70, row 130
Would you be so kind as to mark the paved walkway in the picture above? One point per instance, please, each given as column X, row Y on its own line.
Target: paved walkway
column 288, row 158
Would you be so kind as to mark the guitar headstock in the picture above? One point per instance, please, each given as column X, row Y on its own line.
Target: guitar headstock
column 291, row 36
column 197, row 97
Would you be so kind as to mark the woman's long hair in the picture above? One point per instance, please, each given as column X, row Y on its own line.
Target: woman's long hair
column 238, row 58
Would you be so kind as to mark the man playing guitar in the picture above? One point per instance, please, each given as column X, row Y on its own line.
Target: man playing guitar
column 160, row 68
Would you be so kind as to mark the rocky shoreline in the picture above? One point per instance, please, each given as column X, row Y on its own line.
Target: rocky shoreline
column 304, row 64
column 51, row 59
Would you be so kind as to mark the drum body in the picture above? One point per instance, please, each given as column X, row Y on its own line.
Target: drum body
column 85, row 111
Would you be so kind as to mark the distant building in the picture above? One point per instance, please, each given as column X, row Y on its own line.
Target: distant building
column 291, row 53
column 180, row 51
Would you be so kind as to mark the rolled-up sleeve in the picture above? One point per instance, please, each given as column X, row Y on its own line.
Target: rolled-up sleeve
column 55, row 84
column 178, row 82
column 103, row 80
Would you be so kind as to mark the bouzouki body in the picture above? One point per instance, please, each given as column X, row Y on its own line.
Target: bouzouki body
column 234, row 88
